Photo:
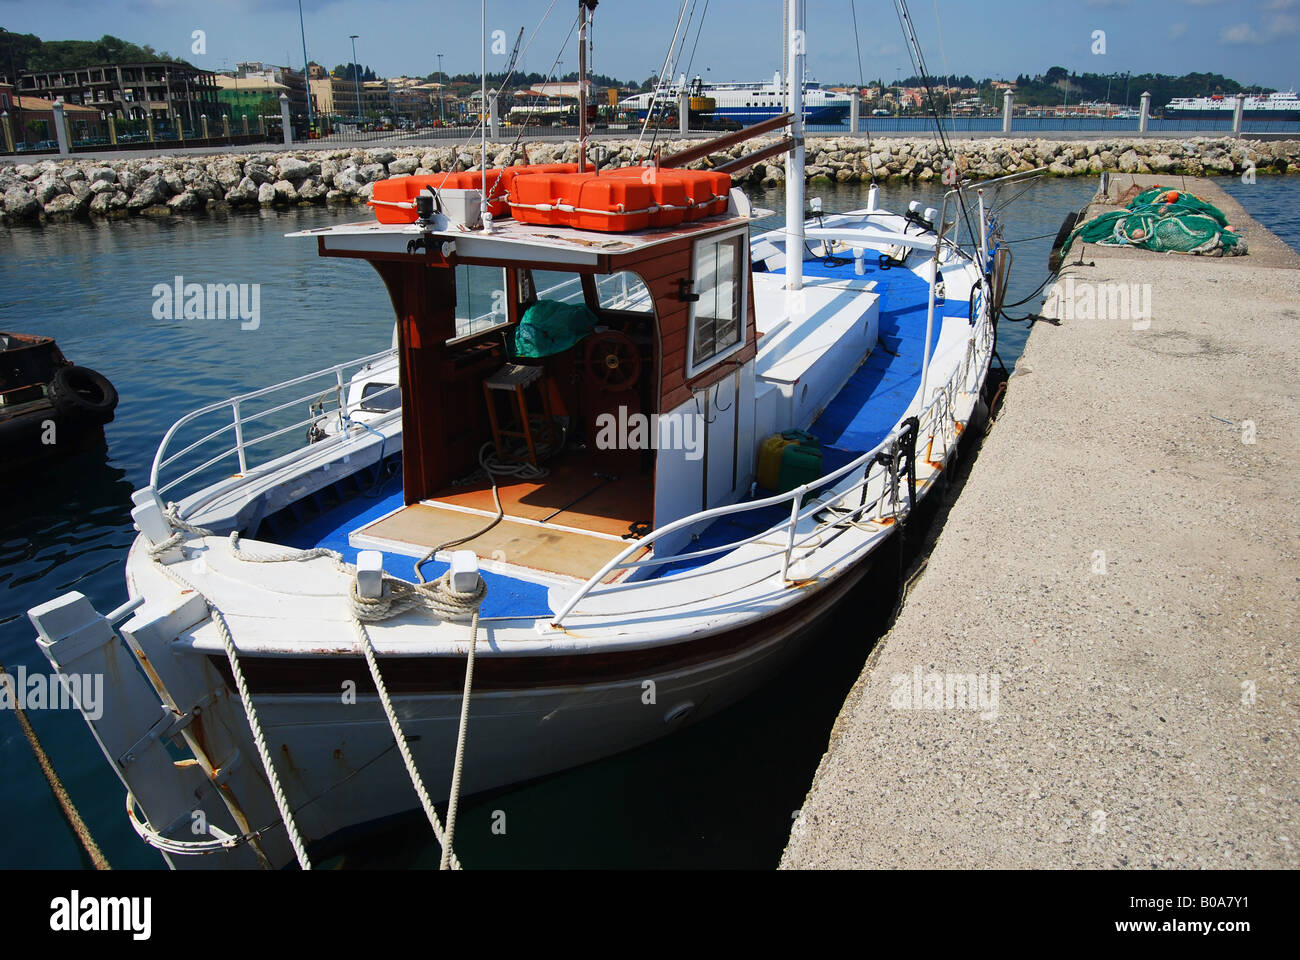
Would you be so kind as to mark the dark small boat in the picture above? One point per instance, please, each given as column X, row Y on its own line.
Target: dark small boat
column 48, row 405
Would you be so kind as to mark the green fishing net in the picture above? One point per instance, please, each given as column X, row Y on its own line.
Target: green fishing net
column 1164, row 220
column 549, row 327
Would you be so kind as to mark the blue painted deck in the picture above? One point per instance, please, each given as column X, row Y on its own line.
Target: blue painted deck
column 506, row 596
column 876, row 396
column 862, row 414
column 869, row 406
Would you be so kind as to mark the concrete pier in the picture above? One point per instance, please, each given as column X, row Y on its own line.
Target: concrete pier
column 1119, row 573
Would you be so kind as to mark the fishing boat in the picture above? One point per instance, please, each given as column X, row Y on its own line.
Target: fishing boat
column 48, row 405
column 624, row 456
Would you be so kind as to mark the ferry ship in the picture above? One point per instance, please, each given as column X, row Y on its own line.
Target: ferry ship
column 1272, row 106
column 744, row 103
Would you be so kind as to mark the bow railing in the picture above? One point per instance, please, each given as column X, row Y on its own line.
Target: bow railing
column 248, row 431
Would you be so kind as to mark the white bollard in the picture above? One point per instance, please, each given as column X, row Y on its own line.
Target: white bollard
column 370, row 574
column 464, row 571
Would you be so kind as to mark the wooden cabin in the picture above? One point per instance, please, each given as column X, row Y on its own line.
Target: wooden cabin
column 672, row 338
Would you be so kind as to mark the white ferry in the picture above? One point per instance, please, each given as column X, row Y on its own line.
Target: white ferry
column 745, row 103
column 1272, row 106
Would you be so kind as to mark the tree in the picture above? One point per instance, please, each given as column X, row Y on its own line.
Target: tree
column 349, row 72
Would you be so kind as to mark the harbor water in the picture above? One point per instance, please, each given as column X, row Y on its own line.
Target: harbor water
column 718, row 794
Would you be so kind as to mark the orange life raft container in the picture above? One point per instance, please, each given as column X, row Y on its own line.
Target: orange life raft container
column 621, row 199
column 555, row 194
column 394, row 198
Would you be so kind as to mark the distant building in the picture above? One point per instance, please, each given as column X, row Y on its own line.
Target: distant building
column 250, row 96
column 31, row 118
column 169, row 92
column 337, row 97
column 293, row 81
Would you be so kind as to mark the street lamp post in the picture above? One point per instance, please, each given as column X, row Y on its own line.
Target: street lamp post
column 356, row 75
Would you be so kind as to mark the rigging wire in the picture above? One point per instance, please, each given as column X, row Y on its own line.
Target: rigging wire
column 483, row 107
column 698, row 30
column 862, row 83
column 918, row 61
column 654, row 96
column 549, row 74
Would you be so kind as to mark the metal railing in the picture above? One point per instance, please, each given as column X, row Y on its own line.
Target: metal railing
column 887, row 505
column 327, row 404
column 937, row 435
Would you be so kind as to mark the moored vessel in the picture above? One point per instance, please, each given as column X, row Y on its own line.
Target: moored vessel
column 48, row 405
column 643, row 451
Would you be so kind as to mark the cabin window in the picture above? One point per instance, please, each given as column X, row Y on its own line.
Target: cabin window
column 550, row 285
column 623, row 291
column 480, row 298
column 717, row 317
column 380, row 397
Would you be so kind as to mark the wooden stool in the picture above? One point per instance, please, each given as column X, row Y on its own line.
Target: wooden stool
column 516, row 378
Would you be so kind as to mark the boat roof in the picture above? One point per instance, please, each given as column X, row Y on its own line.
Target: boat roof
column 510, row 239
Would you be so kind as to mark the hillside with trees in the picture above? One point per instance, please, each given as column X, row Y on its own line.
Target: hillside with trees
column 27, row 52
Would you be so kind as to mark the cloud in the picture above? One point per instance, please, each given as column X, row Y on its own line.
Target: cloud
column 1176, row 30
column 1239, row 34
column 1283, row 25
column 1106, row 3
column 1279, row 4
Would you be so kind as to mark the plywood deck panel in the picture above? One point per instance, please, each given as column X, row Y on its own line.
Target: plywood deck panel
column 608, row 510
column 548, row 549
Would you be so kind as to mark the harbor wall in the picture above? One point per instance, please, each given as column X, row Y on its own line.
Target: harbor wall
column 161, row 186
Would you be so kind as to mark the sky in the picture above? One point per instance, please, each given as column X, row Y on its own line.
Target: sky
column 1252, row 41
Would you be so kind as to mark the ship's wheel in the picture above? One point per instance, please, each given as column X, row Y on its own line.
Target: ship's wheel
column 613, row 361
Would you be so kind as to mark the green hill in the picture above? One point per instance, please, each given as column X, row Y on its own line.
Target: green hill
column 26, row 51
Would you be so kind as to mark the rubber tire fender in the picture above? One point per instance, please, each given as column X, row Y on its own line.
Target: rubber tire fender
column 83, row 394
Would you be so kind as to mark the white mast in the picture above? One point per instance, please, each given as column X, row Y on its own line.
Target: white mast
column 784, row 70
column 794, row 241
column 482, row 117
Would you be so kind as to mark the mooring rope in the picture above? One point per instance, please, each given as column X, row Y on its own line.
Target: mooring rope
column 453, row 797
column 56, row 785
column 398, row 596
